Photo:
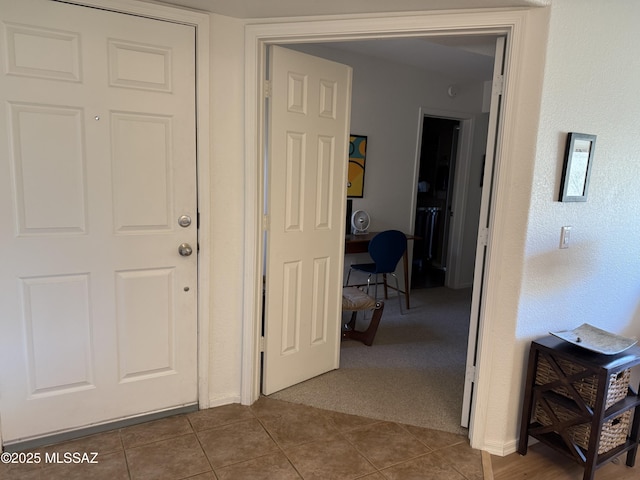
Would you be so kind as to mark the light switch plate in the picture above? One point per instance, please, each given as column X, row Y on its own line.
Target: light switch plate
column 565, row 235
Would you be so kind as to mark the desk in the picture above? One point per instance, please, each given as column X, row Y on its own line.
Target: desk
column 360, row 244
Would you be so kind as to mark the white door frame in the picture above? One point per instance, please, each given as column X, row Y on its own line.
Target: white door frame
column 257, row 36
column 200, row 21
column 461, row 177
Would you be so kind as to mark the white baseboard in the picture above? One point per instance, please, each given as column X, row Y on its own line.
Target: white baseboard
column 220, row 401
column 501, row 449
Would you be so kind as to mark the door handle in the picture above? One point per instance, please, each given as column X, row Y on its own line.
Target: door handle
column 185, row 249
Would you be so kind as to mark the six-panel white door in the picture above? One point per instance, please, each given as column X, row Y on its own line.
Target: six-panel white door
column 307, row 170
column 97, row 165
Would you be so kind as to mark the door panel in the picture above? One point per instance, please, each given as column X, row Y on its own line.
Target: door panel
column 50, row 197
column 309, row 122
column 64, row 298
column 144, row 301
column 140, row 163
column 96, row 166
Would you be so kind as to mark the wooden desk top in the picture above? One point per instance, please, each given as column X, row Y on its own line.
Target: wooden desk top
column 360, row 243
column 366, row 237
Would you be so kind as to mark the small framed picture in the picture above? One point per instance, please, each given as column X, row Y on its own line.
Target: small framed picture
column 578, row 160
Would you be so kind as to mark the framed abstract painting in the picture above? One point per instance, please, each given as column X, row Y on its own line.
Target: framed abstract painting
column 357, row 164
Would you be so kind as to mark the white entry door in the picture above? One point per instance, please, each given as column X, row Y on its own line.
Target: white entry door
column 97, row 166
column 309, row 113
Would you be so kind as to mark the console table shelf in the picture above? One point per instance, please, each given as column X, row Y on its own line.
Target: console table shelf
column 554, row 408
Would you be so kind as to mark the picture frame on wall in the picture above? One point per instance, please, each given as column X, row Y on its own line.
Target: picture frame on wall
column 357, row 165
column 576, row 170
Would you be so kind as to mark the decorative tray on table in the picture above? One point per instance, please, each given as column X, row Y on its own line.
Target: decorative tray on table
column 597, row 340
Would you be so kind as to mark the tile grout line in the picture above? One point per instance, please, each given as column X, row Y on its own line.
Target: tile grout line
column 325, row 415
column 124, row 452
column 363, row 455
column 433, row 451
column 277, row 445
column 201, row 447
column 346, row 439
column 255, row 417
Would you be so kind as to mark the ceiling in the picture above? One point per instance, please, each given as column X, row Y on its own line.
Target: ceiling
column 461, row 58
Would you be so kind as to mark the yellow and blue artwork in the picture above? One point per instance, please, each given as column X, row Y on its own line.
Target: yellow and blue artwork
column 357, row 158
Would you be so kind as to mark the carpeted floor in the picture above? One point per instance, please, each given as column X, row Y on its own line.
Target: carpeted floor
column 413, row 373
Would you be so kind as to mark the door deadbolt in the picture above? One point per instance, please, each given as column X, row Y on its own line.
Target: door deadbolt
column 185, row 249
column 184, row 221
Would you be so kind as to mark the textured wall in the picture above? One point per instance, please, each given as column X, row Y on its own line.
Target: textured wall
column 590, row 86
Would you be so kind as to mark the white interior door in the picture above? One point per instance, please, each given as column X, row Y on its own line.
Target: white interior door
column 309, row 113
column 97, row 164
column 483, row 228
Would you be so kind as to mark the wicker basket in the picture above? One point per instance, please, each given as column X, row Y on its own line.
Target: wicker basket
column 587, row 387
column 614, row 432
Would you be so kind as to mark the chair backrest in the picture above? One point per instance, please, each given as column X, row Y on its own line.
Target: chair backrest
column 386, row 250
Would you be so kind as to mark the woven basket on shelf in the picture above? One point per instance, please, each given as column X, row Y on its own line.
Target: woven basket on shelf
column 614, row 432
column 587, row 387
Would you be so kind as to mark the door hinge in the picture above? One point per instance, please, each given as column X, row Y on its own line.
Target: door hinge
column 471, row 373
column 265, row 222
column 261, row 345
column 267, row 89
column 498, row 85
column 483, row 236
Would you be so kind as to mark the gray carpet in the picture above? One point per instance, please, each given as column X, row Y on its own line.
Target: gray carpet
column 413, row 373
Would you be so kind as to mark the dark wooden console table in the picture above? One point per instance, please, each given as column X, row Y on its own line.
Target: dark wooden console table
column 556, row 408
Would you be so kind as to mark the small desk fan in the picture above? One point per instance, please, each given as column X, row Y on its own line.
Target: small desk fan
column 360, row 222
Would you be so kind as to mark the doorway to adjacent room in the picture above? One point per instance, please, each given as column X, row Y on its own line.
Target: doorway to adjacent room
column 438, row 152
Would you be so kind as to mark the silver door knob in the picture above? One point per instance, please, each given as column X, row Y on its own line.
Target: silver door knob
column 185, row 249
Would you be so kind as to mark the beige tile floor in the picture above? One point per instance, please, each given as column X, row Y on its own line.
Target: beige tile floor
column 272, row 440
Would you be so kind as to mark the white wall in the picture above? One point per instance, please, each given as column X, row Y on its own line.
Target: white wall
column 590, row 86
column 227, row 207
column 498, row 388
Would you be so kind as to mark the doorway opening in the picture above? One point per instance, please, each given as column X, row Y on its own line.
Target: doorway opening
column 439, row 133
column 260, row 36
column 437, row 163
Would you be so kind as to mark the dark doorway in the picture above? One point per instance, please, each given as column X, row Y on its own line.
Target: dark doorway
column 433, row 205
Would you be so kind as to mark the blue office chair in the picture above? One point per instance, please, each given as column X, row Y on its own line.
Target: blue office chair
column 385, row 249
